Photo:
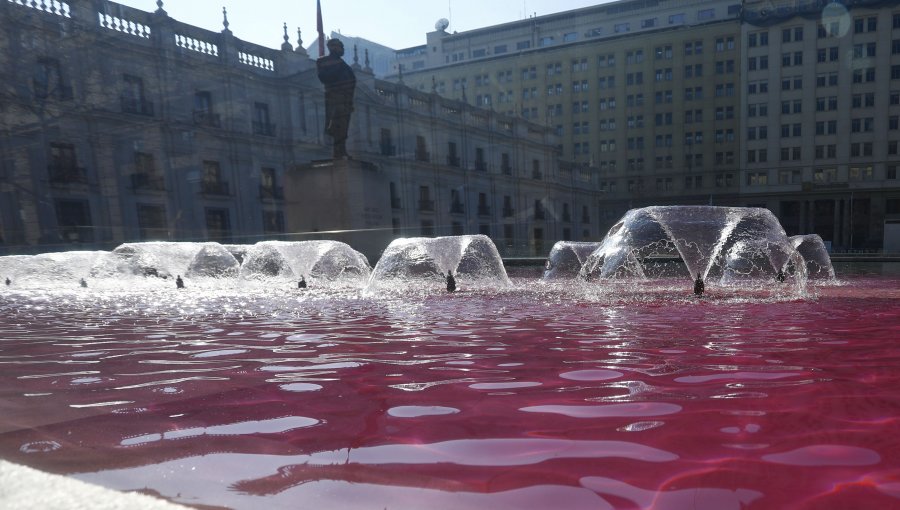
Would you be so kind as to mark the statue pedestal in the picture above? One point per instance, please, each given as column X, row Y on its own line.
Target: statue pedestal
column 345, row 200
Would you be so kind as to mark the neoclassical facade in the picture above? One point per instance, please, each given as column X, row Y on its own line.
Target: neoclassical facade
column 122, row 125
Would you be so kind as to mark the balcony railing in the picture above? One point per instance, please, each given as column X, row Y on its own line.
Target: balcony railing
column 263, row 128
column 147, row 181
column 457, row 208
column 566, row 217
column 139, row 106
column 426, row 205
column 423, row 156
column 508, row 212
column 539, row 214
column 537, row 175
column 481, row 166
column 207, row 118
column 388, row 149
column 484, row 210
column 215, row 188
column 506, row 170
column 67, row 174
column 585, row 219
column 273, row 192
column 395, row 203
column 453, row 160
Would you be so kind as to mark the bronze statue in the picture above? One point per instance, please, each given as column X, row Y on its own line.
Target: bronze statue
column 340, row 84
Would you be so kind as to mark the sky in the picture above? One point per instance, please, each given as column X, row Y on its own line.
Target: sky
column 394, row 23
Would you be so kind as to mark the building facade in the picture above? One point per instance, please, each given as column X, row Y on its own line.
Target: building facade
column 121, row 125
column 786, row 104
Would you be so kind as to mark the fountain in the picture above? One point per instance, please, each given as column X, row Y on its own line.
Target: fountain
column 566, row 259
column 234, row 394
column 330, row 261
column 473, row 259
column 37, row 270
column 326, row 261
column 740, row 247
column 818, row 262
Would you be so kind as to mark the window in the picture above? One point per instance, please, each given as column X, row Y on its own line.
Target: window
column 63, row 167
column 218, row 224
column 757, row 178
column 861, row 173
column 706, row 14
column 693, row 48
column 664, row 52
column 261, row 124
column 47, row 81
column 152, row 222
column 823, row 175
column 133, row 100
column 621, row 28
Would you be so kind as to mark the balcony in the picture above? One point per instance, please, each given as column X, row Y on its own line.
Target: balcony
column 537, row 175
column 481, row 166
column 539, row 214
column 453, row 161
column 585, row 219
column 484, row 210
column 388, row 149
column 508, row 212
column 395, row 203
column 147, row 181
column 566, row 217
column 67, row 174
column 426, row 205
column 457, row 208
column 423, row 156
column 219, row 188
column 271, row 192
column 207, row 118
column 506, row 170
column 263, row 128
column 137, row 106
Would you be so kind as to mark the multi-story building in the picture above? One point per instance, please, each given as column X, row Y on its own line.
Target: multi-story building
column 121, row 125
column 703, row 102
column 820, row 110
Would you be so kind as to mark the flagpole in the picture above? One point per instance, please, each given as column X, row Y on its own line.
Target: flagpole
column 319, row 28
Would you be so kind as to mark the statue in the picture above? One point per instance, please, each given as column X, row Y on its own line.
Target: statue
column 340, row 84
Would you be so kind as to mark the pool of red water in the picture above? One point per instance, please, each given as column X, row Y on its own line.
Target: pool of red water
column 517, row 399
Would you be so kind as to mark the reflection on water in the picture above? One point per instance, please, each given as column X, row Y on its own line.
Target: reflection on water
column 536, row 396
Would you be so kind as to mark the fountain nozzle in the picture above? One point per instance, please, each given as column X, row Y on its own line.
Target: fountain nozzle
column 699, row 286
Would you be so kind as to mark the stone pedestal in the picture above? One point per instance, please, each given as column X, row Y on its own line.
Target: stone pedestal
column 343, row 200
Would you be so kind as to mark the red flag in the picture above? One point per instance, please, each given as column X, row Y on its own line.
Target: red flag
column 320, row 29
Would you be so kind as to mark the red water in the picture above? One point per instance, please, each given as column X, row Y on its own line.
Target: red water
column 519, row 399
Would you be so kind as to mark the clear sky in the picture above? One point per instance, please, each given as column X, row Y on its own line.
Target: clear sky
column 394, row 23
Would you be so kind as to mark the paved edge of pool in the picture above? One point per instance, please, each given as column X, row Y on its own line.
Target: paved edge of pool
column 25, row 488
